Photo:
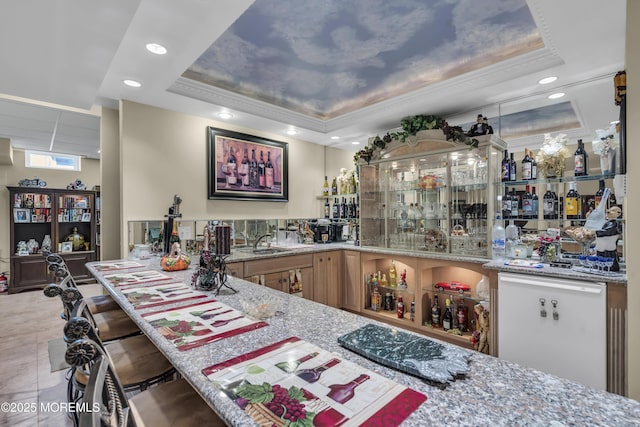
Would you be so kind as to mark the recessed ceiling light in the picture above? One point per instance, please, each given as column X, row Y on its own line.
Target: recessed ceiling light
column 547, row 80
column 156, row 48
column 224, row 115
column 615, row 122
column 335, row 137
column 556, row 95
column 292, row 132
column 356, row 142
column 132, row 83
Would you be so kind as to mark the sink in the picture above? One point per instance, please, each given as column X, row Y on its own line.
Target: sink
column 262, row 251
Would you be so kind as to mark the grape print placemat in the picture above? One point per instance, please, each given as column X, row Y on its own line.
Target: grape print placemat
column 193, row 325
column 155, row 295
column 147, row 276
column 117, row 265
column 293, row 382
column 408, row 353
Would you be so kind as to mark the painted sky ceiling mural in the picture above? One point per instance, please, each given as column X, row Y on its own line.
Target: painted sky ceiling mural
column 327, row 58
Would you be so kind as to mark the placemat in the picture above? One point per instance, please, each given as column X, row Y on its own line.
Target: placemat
column 159, row 294
column 197, row 324
column 147, row 276
column 408, row 353
column 117, row 265
column 296, row 381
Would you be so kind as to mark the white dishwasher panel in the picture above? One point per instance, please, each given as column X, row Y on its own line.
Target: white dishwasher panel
column 573, row 345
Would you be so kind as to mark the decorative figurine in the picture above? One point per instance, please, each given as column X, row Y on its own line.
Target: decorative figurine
column 211, row 274
column 481, row 336
column 481, row 127
column 402, row 284
column 607, row 238
column 76, row 185
column 176, row 260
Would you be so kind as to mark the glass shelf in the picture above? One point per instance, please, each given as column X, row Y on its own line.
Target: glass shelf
column 541, row 181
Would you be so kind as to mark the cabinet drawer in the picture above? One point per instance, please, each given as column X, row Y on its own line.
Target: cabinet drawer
column 236, row 269
column 273, row 265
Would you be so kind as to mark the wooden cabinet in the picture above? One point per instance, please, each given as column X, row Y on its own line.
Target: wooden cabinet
column 236, row 269
column 351, row 281
column 57, row 213
column 327, row 280
column 277, row 273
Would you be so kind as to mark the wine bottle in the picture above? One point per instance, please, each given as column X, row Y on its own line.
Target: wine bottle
column 343, row 208
column 342, row 393
column 534, row 203
column 534, row 166
column 512, row 168
column 269, row 172
column 261, row 171
column 327, row 208
column 505, row 167
column 462, row 315
column 357, row 207
column 506, row 204
column 435, row 312
column 527, row 203
column 392, row 274
column 581, row 160
column 290, row 366
column 254, row 181
column 313, row 374
column 244, row 168
column 599, row 193
column 375, row 299
column 335, row 209
column 447, row 319
column 412, row 311
column 549, row 209
column 232, row 168
column 515, row 204
column 573, row 205
column 526, row 165
column 334, row 187
column 400, row 308
column 351, row 209
column 325, row 187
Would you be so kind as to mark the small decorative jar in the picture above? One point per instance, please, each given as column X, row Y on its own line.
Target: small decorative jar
column 46, row 243
column 33, row 246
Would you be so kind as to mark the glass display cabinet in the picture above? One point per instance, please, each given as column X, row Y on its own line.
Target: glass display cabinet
column 434, row 196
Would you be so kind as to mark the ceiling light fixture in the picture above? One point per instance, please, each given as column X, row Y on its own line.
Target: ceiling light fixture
column 156, row 48
column 225, row 115
column 132, row 83
column 335, row 137
column 292, row 132
column 615, row 122
column 356, row 142
column 556, row 95
column 547, row 80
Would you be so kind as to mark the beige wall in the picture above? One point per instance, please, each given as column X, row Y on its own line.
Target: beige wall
column 632, row 202
column 165, row 153
column 10, row 175
column 110, row 177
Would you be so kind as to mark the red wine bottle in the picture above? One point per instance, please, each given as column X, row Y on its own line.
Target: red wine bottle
column 291, row 365
column 526, row 165
column 512, row 168
column 261, row 171
column 447, row 319
column 581, row 160
column 254, row 181
column 342, row 393
column 527, row 203
column 505, row 167
column 313, row 374
column 269, row 171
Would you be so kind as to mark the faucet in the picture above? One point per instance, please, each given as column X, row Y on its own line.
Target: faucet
column 259, row 239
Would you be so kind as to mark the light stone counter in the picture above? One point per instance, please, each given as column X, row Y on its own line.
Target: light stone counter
column 495, row 393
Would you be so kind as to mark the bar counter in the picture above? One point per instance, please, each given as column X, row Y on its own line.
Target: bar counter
column 495, row 392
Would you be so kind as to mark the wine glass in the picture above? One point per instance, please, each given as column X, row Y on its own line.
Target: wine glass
column 242, row 172
column 225, row 170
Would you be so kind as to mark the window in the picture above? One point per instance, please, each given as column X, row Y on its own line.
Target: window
column 43, row 160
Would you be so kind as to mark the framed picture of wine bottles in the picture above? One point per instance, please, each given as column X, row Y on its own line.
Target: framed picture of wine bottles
column 246, row 167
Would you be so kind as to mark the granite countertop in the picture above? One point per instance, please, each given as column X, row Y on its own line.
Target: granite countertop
column 495, row 392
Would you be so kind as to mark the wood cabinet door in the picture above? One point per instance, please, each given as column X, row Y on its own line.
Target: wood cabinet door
column 275, row 281
column 236, row 269
column 28, row 272
column 320, row 278
column 351, row 281
column 333, row 278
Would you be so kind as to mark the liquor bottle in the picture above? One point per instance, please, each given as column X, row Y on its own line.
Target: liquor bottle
column 527, row 203
column 505, row 167
column 526, row 165
column 232, row 168
column 392, row 274
column 174, row 238
column 512, row 168
column 351, row 209
column 435, row 312
column 269, row 171
column 375, row 299
column 599, row 193
column 290, row 366
column 447, row 319
column 313, row 374
column 343, row 208
column 254, row 181
column 511, row 238
column 383, row 280
column 327, row 209
column 244, row 168
column 342, row 393
column 261, row 172
column 534, row 166
column 462, row 315
column 400, row 308
column 573, row 202
column 335, row 209
column 549, row 208
column 325, row 187
column 334, row 187
column 534, row 203
column 498, row 237
column 581, row 160
column 388, row 301
column 515, row 204
column 506, row 204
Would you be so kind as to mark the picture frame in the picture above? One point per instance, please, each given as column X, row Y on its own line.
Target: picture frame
column 86, row 217
column 243, row 179
column 66, row 247
column 21, row 215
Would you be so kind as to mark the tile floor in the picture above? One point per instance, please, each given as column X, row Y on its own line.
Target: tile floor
column 29, row 320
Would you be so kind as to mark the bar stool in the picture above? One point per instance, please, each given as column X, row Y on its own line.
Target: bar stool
column 172, row 404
